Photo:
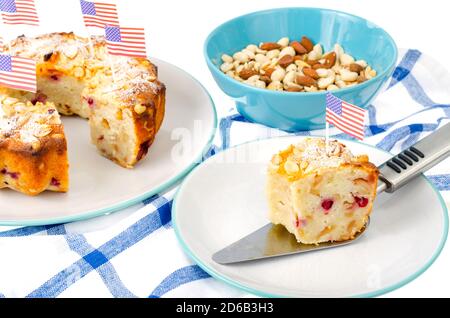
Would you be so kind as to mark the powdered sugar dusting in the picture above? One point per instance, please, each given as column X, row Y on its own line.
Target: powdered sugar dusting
column 314, row 152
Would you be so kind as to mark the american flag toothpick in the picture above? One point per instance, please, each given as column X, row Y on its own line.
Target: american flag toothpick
column 125, row 41
column 18, row 72
column 19, row 12
column 345, row 116
column 98, row 14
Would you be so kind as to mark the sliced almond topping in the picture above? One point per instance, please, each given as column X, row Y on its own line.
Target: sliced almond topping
column 71, row 51
column 291, row 167
column 43, row 131
column 78, row 72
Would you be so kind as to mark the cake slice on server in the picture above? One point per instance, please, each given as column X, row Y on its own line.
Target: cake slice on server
column 321, row 195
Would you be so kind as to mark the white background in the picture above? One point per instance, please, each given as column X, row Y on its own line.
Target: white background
column 176, row 30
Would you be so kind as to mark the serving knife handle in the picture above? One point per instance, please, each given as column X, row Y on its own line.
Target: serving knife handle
column 411, row 162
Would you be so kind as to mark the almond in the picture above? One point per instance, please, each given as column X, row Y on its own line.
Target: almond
column 330, row 60
column 246, row 73
column 266, row 79
column 70, row 51
column 306, row 81
column 318, row 65
column 286, row 60
column 312, row 62
column 293, row 89
column 298, row 58
column 307, row 44
column 300, row 49
column 269, row 46
column 43, row 131
column 355, row 68
column 269, row 71
column 311, row 73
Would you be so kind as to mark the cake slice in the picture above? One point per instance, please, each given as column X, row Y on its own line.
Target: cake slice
column 33, row 149
column 319, row 195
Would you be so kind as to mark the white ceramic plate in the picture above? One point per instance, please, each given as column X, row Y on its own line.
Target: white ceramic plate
column 407, row 232
column 98, row 186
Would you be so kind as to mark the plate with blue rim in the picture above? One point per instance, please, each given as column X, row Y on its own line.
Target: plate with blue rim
column 99, row 186
column 223, row 200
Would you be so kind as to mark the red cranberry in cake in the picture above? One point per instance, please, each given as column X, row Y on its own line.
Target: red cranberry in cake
column 361, row 201
column 333, row 191
column 12, row 175
column 300, row 222
column 40, row 97
column 54, row 182
column 327, row 204
column 90, row 101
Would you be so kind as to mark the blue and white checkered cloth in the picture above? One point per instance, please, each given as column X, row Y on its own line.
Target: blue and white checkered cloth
column 134, row 252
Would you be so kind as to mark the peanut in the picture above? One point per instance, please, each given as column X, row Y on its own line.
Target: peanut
column 227, row 59
column 278, row 74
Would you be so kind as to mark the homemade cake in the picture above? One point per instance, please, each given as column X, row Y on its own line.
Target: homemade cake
column 121, row 97
column 33, row 149
column 321, row 196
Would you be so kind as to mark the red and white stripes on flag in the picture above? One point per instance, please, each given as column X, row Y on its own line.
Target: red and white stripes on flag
column 18, row 72
column 2, row 43
column 125, row 41
column 98, row 14
column 19, row 12
column 345, row 116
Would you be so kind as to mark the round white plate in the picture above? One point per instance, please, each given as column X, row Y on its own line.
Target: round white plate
column 98, row 186
column 223, row 200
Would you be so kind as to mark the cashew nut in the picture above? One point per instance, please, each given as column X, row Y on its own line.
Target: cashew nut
column 283, row 42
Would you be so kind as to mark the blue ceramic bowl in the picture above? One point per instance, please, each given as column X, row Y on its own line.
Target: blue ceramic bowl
column 300, row 111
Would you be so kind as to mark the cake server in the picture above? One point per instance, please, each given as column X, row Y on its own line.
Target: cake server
column 274, row 240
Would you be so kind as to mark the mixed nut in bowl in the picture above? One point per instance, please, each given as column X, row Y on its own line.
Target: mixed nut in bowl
column 279, row 64
column 297, row 66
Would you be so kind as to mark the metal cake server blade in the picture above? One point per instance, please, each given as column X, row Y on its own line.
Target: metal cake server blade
column 271, row 241
column 274, row 240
